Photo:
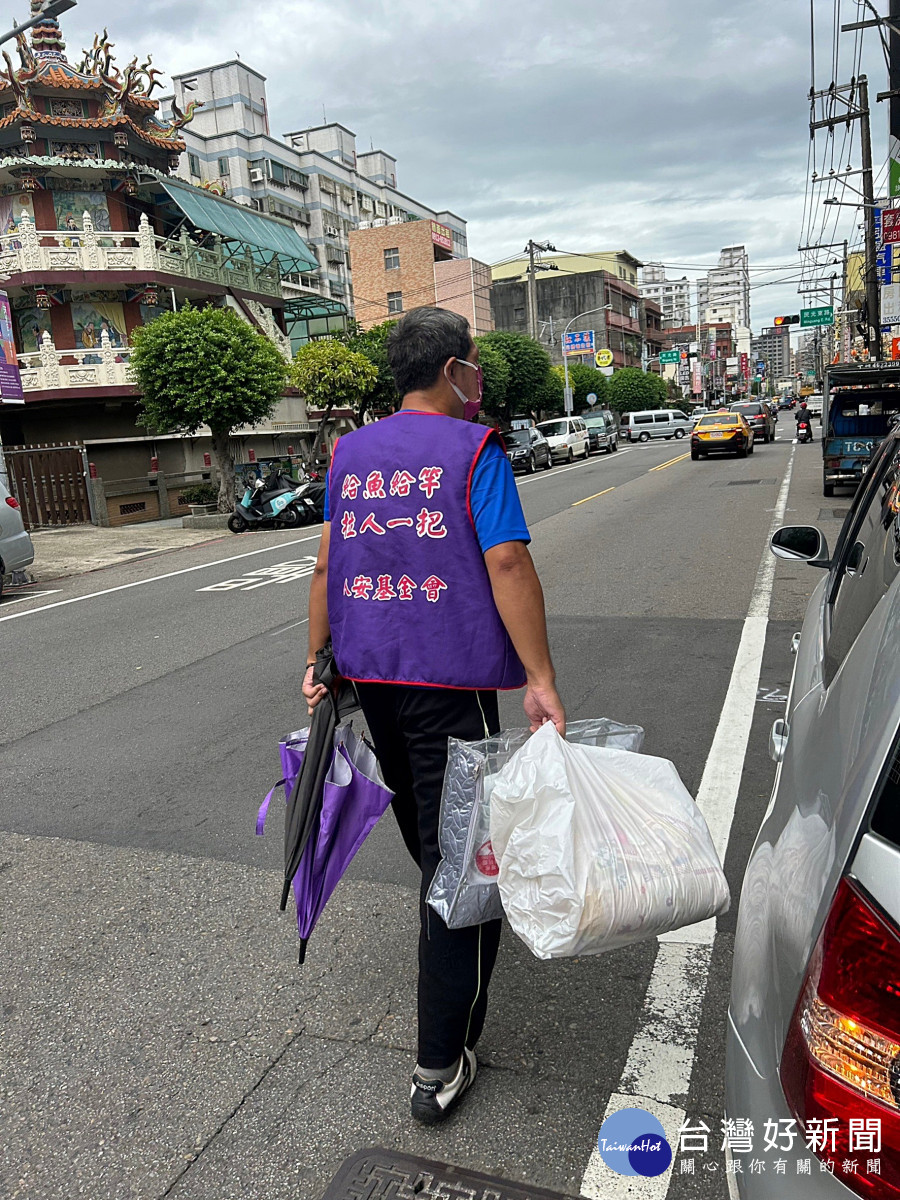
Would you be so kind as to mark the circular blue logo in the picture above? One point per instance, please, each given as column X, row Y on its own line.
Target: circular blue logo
column 633, row 1142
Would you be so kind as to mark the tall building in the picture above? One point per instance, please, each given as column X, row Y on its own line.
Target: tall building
column 773, row 346
column 315, row 177
column 399, row 265
column 724, row 293
column 672, row 295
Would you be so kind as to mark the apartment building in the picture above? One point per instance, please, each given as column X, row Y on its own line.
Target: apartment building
column 773, row 346
column 723, row 294
column 314, row 177
column 672, row 295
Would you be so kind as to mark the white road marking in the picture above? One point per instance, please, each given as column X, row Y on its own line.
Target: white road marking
column 6, row 600
column 276, row 632
column 156, row 578
column 284, row 572
column 562, row 470
column 661, row 1058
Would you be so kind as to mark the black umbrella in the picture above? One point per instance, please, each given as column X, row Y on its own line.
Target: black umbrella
column 305, row 801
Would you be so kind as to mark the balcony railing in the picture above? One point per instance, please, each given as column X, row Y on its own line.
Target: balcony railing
column 104, row 366
column 27, row 249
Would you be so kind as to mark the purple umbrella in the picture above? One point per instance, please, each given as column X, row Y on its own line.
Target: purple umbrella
column 353, row 799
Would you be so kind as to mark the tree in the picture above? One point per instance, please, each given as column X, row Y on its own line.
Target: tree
column 331, row 375
column 583, row 380
column 495, row 370
column 529, row 368
column 631, row 390
column 206, row 366
column 550, row 397
column 373, row 344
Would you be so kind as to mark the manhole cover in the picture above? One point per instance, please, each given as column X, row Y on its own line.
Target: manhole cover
column 383, row 1175
column 837, row 514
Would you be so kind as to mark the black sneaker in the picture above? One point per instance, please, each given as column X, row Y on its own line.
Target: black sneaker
column 431, row 1100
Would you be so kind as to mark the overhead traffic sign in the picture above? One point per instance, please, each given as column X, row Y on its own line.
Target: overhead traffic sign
column 604, row 358
column 817, row 316
column 669, row 356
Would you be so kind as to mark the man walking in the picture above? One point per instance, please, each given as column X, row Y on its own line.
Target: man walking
column 427, row 589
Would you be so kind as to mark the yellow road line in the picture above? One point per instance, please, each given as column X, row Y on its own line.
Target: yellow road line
column 671, row 462
column 594, row 497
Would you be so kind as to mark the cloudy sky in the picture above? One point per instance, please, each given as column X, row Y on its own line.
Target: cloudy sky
column 670, row 128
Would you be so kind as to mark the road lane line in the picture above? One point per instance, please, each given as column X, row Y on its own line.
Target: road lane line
column 562, row 470
column 294, row 625
column 594, row 497
column 660, row 1060
column 671, row 462
column 156, row 578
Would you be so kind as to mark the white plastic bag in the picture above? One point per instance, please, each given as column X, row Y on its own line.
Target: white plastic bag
column 598, row 848
column 464, row 888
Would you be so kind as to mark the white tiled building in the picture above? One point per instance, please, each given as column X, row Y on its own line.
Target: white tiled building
column 672, row 295
column 725, row 290
column 314, row 177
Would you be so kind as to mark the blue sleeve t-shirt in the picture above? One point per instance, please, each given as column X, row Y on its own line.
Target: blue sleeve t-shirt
column 496, row 508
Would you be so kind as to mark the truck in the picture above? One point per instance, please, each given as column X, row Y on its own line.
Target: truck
column 861, row 404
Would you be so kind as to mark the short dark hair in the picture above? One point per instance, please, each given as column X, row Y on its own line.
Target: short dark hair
column 421, row 342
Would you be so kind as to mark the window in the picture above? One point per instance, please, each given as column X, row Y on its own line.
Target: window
column 277, row 172
column 223, row 166
column 395, row 302
column 392, row 259
column 867, row 558
column 661, row 418
column 194, row 164
column 643, row 419
column 519, row 314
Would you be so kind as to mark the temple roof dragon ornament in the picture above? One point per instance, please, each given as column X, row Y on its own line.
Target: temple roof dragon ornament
column 125, row 96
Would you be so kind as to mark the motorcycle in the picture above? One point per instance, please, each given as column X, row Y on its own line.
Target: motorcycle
column 804, row 431
column 310, row 501
column 270, row 503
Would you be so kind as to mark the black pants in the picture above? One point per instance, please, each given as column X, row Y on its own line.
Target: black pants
column 410, row 727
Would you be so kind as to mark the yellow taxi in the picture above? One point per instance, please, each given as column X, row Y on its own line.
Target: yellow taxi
column 721, row 431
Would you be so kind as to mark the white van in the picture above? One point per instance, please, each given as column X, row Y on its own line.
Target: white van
column 568, row 437
column 654, row 423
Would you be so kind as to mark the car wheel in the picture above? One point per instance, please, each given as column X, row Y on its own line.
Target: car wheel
column 828, row 490
column 530, row 465
column 679, row 434
column 751, row 447
column 570, row 457
column 615, row 445
column 742, row 452
column 236, row 523
column 695, row 454
column 549, row 463
column 644, row 437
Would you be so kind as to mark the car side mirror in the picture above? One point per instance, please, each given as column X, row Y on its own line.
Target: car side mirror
column 803, row 542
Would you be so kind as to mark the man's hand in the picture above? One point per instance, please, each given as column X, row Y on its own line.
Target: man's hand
column 314, row 692
column 542, row 704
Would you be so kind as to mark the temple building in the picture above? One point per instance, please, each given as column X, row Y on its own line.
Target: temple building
column 97, row 237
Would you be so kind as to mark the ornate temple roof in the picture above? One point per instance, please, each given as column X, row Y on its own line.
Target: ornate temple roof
column 124, row 96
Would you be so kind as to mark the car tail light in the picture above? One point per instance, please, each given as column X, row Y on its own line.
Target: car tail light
column 12, row 502
column 841, row 1060
column 832, row 462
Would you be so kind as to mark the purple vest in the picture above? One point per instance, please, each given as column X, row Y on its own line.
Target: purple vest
column 409, row 597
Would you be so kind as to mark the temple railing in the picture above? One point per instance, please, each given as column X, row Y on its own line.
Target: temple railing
column 26, row 249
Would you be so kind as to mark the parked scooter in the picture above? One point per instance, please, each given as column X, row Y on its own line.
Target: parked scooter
column 310, row 502
column 270, row 503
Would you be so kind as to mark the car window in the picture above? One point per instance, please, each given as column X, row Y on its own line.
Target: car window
column 718, row 419
column 553, row 428
column 867, row 559
column 644, row 419
column 679, row 416
column 661, row 418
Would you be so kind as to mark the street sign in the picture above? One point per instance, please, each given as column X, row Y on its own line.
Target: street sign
column 669, row 356
column 579, row 343
column 758, row 378
column 810, row 317
column 591, row 398
column 604, row 358
column 890, row 304
column 890, row 225
column 810, row 374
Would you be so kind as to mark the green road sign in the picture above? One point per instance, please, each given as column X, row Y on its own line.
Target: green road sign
column 816, row 316
column 669, row 356
column 810, row 374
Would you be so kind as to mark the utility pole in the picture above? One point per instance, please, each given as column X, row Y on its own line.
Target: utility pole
column 894, row 88
column 853, row 99
column 532, row 283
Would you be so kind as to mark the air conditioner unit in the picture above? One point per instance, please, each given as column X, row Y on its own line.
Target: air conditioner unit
column 395, row 220
column 378, row 222
column 257, row 176
column 364, row 225
column 331, row 231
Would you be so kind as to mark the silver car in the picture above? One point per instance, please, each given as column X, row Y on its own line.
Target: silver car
column 813, row 1041
column 16, row 550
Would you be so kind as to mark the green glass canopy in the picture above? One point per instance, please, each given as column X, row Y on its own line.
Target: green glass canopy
column 237, row 223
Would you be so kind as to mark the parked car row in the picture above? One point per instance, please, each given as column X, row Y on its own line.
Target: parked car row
column 16, row 549
column 562, row 439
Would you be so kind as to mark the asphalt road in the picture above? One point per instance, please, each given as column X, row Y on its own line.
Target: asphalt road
column 142, row 709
